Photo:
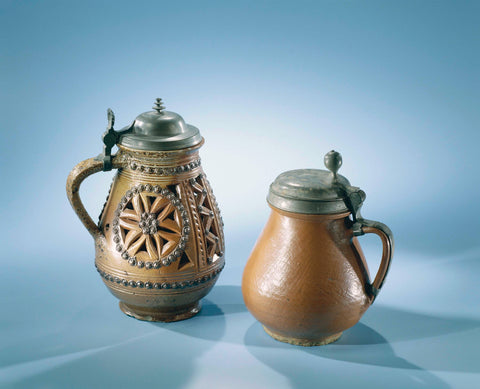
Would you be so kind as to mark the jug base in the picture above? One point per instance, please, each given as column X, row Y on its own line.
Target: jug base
column 303, row 342
column 146, row 314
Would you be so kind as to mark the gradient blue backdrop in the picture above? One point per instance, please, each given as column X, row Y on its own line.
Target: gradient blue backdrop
column 273, row 86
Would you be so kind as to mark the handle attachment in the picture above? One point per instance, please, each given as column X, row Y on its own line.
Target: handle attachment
column 364, row 226
column 354, row 199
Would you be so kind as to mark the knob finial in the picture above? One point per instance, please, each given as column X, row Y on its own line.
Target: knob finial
column 333, row 161
column 158, row 106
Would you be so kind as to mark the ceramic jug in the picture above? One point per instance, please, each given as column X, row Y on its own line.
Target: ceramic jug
column 307, row 279
column 159, row 240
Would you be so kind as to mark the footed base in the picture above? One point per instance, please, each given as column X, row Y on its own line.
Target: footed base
column 146, row 314
column 303, row 342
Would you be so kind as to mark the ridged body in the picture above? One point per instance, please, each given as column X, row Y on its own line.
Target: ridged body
column 306, row 278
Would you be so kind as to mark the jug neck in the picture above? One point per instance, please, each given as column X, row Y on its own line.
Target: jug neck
column 311, row 217
column 162, row 163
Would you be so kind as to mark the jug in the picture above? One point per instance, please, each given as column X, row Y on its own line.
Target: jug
column 159, row 244
column 307, row 279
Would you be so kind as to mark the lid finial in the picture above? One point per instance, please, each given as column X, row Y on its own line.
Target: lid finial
column 158, row 106
column 333, row 162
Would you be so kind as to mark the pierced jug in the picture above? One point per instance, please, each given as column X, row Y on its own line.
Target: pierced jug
column 159, row 241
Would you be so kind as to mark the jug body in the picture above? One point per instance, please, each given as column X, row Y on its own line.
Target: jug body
column 163, row 236
column 305, row 278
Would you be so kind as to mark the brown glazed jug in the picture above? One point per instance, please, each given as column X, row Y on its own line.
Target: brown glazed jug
column 307, row 280
column 159, row 240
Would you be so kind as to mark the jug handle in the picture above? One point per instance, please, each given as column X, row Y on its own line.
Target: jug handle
column 364, row 226
column 75, row 178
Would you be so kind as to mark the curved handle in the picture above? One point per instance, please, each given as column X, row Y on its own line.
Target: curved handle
column 385, row 234
column 75, row 178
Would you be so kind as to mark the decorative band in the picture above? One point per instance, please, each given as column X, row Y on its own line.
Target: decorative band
column 161, row 285
column 168, row 171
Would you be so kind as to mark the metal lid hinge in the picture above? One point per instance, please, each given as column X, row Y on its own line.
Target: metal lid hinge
column 110, row 138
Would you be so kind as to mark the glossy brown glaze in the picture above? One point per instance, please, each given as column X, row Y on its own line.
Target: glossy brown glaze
column 306, row 280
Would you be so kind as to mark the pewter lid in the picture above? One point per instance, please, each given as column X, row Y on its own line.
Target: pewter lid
column 160, row 130
column 315, row 191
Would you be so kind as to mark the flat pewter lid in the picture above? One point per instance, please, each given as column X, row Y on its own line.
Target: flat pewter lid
column 315, row 191
column 159, row 130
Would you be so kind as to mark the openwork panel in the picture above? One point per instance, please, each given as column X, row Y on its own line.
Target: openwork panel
column 207, row 211
column 151, row 227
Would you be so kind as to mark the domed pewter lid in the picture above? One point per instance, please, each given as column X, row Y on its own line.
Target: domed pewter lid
column 159, row 130
column 315, row 191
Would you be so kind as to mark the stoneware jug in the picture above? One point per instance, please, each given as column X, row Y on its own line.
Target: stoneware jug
column 307, row 280
column 159, row 240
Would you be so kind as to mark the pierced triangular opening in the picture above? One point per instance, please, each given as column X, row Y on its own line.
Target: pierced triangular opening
column 184, row 262
column 173, row 189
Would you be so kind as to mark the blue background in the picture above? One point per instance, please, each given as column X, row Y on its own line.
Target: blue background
column 273, row 86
